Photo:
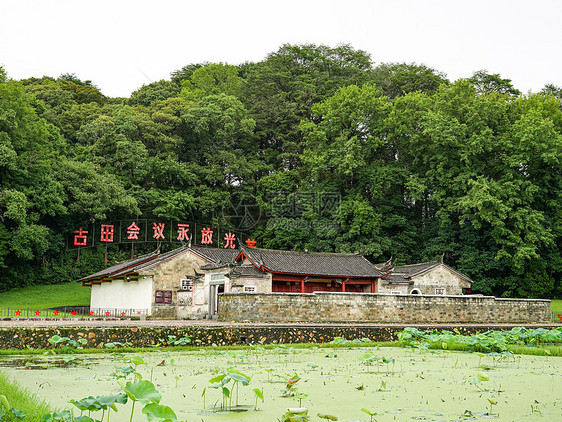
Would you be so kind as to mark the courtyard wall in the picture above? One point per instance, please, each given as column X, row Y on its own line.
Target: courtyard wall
column 329, row 307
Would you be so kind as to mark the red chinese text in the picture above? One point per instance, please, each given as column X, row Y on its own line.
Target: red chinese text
column 107, row 233
column 133, row 231
column 230, row 239
column 251, row 243
column 80, row 238
column 158, row 230
column 206, row 236
column 183, row 231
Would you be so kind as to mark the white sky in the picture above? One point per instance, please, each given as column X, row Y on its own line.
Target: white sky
column 122, row 44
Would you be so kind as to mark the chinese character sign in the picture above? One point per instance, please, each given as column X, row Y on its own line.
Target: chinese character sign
column 133, row 231
column 206, row 236
column 107, row 233
column 183, row 232
column 158, row 230
column 251, row 243
column 80, row 237
column 230, row 239
column 147, row 230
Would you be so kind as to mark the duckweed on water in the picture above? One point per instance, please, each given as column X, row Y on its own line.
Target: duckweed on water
column 409, row 384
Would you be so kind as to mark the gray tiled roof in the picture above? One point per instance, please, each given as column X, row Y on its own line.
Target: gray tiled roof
column 413, row 269
column 158, row 259
column 212, row 255
column 246, row 270
column 120, row 266
column 311, row 263
column 404, row 273
column 216, row 255
column 396, row 279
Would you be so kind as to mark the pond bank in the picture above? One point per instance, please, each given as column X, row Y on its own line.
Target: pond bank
column 21, row 334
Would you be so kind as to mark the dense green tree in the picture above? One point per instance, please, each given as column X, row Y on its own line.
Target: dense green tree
column 185, row 73
column 93, row 195
column 217, row 127
column 552, row 90
column 84, row 94
column 156, row 91
column 29, row 194
column 353, row 149
column 486, row 83
column 397, row 79
column 212, row 79
column 281, row 91
column 160, row 126
column 340, row 156
column 73, row 79
column 478, row 175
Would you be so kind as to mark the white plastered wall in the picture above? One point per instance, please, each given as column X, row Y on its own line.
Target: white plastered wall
column 120, row 294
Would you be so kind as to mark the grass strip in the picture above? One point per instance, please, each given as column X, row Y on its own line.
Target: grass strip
column 556, row 308
column 87, row 351
column 21, row 399
column 542, row 350
column 46, row 296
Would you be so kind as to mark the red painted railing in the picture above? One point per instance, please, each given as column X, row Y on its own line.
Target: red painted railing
column 69, row 312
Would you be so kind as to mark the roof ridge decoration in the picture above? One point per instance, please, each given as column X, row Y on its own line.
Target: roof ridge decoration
column 425, row 269
column 387, row 268
column 419, row 263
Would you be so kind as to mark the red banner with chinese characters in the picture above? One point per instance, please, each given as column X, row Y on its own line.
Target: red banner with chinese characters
column 142, row 231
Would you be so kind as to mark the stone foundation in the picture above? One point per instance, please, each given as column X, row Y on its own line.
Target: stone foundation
column 164, row 311
column 328, row 307
column 227, row 334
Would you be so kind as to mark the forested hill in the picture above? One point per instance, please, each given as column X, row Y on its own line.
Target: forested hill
column 416, row 165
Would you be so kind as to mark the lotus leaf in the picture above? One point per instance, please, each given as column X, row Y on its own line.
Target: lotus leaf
column 159, row 413
column 143, row 391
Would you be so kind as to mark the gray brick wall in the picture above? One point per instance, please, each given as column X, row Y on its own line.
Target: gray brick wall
column 369, row 307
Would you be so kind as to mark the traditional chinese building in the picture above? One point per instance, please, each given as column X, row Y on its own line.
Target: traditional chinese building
column 267, row 270
column 162, row 285
column 428, row 278
column 185, row 283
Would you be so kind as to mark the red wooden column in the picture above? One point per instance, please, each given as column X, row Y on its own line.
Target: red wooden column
column 302, row 285
column 343, row 283
column 372, row 286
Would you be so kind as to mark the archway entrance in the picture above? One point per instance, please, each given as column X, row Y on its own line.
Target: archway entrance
column 215, row 288
column 416, row 292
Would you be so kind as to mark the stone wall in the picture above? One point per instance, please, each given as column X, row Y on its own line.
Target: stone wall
column 439, row 278
column 321, row 307
column 261, row 284
column 96, row 337
column 166, row 276
column 427, row 283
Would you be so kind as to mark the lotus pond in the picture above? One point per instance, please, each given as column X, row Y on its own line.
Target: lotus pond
column 352, row 384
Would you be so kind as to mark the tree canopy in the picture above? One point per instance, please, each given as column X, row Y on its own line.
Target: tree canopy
column 341, row 155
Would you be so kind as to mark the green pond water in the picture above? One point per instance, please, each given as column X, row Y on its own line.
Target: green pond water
column 432, row 386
